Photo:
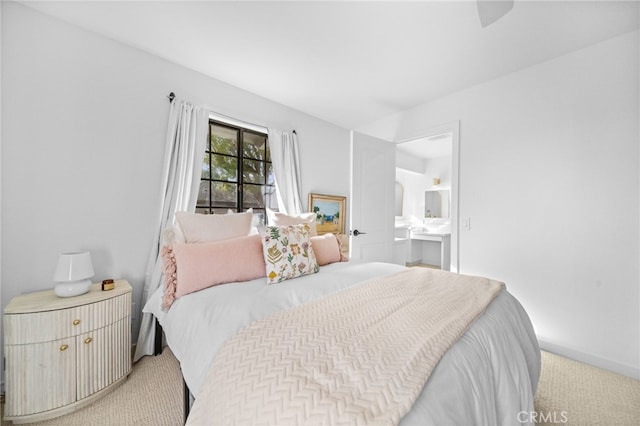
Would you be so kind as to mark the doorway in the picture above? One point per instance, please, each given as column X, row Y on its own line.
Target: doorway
column 427, row 174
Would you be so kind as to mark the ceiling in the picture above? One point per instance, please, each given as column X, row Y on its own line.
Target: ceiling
column 429, row 147
column 350, row 63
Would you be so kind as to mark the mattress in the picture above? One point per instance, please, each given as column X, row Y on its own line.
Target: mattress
column 487, row 377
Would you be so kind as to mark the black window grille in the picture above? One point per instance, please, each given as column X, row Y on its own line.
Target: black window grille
column 237, row 173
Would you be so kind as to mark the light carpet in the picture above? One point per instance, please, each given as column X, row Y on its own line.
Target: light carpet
column 569, row 393
column 584, row 395
column 151, row 395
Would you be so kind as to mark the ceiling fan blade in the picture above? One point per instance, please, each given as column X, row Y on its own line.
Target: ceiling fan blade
column 489, row 11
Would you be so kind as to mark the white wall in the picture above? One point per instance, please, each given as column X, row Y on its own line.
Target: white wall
column 439, row 167
column 549, row 175
column 84, row 121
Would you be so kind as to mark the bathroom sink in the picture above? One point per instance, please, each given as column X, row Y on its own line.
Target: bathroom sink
column 438, row 225
column 432, row 228
column 419, row 231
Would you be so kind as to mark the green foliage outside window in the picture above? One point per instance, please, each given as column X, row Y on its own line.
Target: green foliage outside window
column 237, row 173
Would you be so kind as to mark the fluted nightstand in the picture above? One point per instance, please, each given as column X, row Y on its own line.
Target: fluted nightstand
column 63, row 353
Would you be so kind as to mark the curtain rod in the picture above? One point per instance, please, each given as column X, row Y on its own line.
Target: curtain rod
column 172, row 96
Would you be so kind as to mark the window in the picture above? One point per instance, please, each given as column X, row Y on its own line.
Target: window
column 236, row 172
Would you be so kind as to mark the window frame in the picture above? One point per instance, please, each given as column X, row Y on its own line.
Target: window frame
column 212, row 206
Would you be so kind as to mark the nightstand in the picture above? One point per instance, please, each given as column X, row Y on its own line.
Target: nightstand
column 63, row 353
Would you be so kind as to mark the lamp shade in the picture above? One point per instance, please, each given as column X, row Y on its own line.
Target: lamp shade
column 73, row 273
column 74, row 266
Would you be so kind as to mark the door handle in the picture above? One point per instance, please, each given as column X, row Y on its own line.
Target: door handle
column 356, row 233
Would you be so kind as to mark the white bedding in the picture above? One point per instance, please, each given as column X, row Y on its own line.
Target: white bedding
column 487, row 377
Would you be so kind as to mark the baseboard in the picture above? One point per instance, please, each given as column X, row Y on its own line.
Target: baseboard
column 596, row 361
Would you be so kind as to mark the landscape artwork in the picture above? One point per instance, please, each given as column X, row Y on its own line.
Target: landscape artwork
column 330, row 213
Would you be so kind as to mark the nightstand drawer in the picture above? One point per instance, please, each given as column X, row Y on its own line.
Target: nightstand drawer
column 54, row 325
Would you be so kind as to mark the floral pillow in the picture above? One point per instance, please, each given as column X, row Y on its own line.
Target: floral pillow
column 287, row 252
column 281, row 219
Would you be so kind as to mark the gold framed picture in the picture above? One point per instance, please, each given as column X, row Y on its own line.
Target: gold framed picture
column 330, row 212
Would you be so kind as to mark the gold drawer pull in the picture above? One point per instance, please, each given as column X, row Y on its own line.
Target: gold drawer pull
column 63, row 348
column 88, row 340
column 76, row 321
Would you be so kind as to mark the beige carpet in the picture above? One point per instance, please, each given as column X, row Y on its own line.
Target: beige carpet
column 584, row 395
column 569, row 393
column 151, row 395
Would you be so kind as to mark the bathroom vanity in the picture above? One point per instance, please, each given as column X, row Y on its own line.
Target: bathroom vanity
column 427, row 240
column 431, row 248
column 422, row 246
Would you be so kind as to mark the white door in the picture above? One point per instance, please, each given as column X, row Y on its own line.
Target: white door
column 372, row 198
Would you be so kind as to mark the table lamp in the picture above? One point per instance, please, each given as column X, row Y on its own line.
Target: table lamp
column 73, row 273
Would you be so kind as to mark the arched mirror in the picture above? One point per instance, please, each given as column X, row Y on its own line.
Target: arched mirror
column 436, row 203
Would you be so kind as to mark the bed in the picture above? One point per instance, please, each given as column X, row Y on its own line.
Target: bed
column 487, row 376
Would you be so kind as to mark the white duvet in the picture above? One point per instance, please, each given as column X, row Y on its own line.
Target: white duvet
column 486, row 378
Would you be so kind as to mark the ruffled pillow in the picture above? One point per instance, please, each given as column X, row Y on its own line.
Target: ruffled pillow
column 287, row 252
column 327, row 249
column 343, row 239
column 192, row 267
column 169, row 276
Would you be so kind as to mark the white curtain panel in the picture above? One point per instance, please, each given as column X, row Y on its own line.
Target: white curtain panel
column 286, row 166
column 184, row 152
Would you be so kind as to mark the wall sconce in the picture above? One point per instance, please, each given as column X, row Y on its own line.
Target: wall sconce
column 73, row 273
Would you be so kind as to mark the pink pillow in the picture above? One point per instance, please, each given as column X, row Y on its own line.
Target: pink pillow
column 327, row 249
column 192, row 267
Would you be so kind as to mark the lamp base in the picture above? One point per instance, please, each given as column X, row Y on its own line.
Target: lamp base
column 72, row 288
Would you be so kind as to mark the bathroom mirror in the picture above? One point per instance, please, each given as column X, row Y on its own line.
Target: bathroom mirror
column 399, row 198
column 436, row 203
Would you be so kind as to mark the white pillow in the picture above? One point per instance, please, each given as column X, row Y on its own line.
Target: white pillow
column 204, row 228
column 255, row 221
column 281, row 219
column 173, row 235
